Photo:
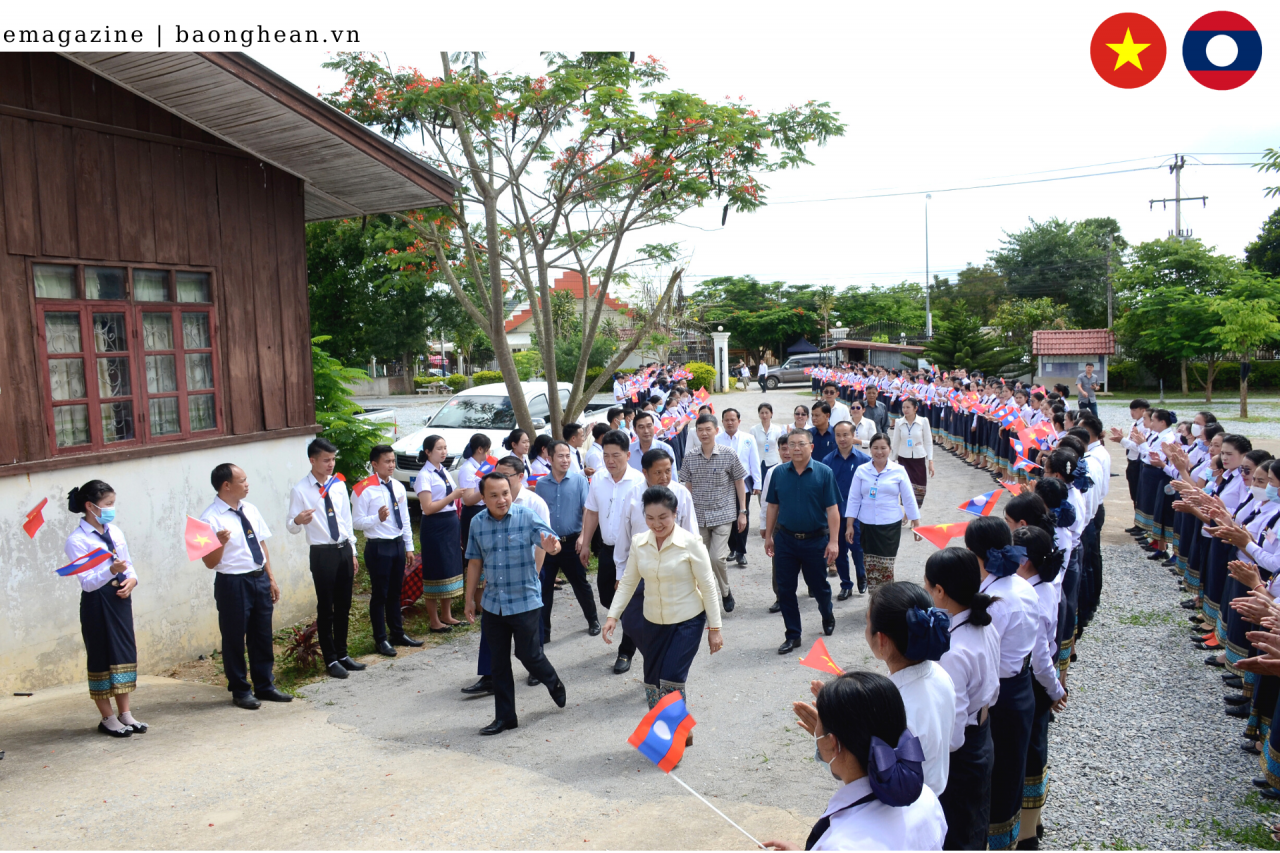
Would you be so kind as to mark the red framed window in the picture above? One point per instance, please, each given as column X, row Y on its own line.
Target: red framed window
column 129, row 352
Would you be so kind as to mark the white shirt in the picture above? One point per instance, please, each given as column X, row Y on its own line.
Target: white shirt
column 637, row 454
column 930, row 700
column 85, row 539
column 237, row 559
column 863, row 431
column 839, row 414
column 1133, row 451
column 973, row 662
column 911, row 440
column 619, row 391
column 610, row 499
column 575, row 460
column 1044, row 655
column 633, row 523
column 468, row 477
column 876, row 826
column 306, row 495
column 1015, row 618
column 595, row 457
column 364, row 514
column 744, row 445
column 538, row 467
column 893, row 494
column 535, row 503
column 1101, row 470
column 767, row 443
column 435, row 479
column 763, row 371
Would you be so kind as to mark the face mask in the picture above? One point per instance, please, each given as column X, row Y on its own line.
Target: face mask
column 106, row 514
column 1273, row 494
column 1196, row 430
column 817, row 756
column 1259, row 493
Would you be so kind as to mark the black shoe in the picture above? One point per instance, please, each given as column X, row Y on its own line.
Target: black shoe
column 138, row 728
column 742, row 560
column 593, row 628
column 351, row 665
column 483, row 687
column 1158, row 555
column 384, row 649
column 729, row 603
column 125, row 732
column 1269, row 794
column 271, row 694
column 1240, row 711
column 557, row 693
column 1133, row 531
column 1251, row 748
column 498, row 727
column 862, row 587
column 829, row 625
column 444, row 629
column 788, row 646
column 621, row 665
column 1261, row 783
column 845, row 595
column 336, row 670
column 1029, row 844
column 403, row 640
column 533, row 681
column 1171, row 564
column 246, row 702
column 1236, row 699
column 1189, row 604
column 1212, row 660
column 776, row 607
column 1233, row 681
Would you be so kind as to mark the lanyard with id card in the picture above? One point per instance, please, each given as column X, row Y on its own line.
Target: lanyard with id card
column 874, row 486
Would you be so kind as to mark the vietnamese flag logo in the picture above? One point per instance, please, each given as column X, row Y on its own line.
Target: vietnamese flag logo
column 1128, row 50
column 1235, row 46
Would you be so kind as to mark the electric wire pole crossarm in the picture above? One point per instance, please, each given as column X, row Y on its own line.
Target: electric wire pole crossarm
column 1175, row 169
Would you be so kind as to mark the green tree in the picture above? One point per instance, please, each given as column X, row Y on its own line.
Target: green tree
column 980, row 289
column 336, row 412
column 958, row 341
column 759, row 317
column 1018, row 320
column 1247, row 324
column 559, row 171
column 1263, row 254
column 900, row 304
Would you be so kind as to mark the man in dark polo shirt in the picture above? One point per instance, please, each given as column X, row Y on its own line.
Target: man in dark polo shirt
column 802, row 525
column 843, row 463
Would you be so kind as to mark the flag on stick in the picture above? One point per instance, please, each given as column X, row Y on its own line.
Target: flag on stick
column 336, row 478
column 371, row 480
column 1014, row 489
column 819, row 659
column 35, row 519
column 661, row 734
column 941, row 534
column 92, row 560
column 487, row 466
column 1024, row 464
column 201, row 539
column 981, row 505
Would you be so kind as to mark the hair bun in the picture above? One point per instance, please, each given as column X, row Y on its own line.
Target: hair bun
column 896, row 775
column 74, row 503
column 928, row 634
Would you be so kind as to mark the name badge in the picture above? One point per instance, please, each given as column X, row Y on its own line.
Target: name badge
column 873, row 493
column 908, row 442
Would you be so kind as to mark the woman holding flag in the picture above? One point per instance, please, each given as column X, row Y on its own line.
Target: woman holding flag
column 101, row 562
column 476, row 464
column 442, row 578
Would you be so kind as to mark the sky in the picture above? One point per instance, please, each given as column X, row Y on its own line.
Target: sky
column 935, row 96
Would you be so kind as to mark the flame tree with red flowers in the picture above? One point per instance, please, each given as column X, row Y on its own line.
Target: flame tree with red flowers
column 558, row 171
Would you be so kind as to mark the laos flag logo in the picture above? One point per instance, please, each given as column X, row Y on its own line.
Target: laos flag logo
column 1222, row 50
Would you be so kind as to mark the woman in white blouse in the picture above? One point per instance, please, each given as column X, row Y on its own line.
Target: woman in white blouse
column 442, row 578
column 953, row 577
column 859, row 725
column 106, row 610
column 879, row 497
column 912, row 448
column 767, row 434
column 863, row 427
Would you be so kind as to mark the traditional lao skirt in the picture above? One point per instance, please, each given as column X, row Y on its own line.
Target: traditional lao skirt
column 106, row 623
column 966, row 802
column 1271, row 751
column 1215, row 577
column 1197, row 558
column 1187, row 533
column 1265, row 695
column 1011, row 719
column 1036, row 785
column 880, row 544
column 918, row 474
column 464, row 519
column 1150, row 490
column 669, row 651
column 442, row 577
column 1163, row 521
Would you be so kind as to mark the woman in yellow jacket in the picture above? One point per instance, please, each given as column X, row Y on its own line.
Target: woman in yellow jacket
column 680, row 597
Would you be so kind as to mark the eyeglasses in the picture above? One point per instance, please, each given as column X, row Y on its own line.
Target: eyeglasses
column 855, row 408
column 800, row 414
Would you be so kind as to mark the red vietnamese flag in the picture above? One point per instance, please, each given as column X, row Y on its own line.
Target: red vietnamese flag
column 35, row 519
column 819, row 659
column 371, row 480
column 941, row 534
column 1014, row 489
column 201, row 539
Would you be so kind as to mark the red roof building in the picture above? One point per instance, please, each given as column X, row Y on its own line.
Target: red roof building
column 1061, row 354
column 520, row 325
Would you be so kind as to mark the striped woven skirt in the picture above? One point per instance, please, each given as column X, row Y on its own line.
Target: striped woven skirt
column 442, row 577
column 106, row 624
column 1150, row 484
column 918, row 474
column 1011, row 719
column 880, row 544
column 1035, row 787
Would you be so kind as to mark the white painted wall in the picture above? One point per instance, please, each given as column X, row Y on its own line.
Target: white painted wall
column 175, row 618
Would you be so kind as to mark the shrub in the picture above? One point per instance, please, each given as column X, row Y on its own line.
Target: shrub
column 424, row 380
column 336, row 412
column 528, row 364
column 1122, row 374
column 456, row 382
column 704, row 376
column 486, row 377
column 592, row 373
column 303, row 646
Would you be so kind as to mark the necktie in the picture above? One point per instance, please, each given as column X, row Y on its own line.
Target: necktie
column 328, row 511
column 824, row 823
column 395, row 509
column 250, row 539
column 578, row 453
column 105, row 536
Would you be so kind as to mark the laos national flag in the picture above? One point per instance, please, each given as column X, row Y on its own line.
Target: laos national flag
column 1247, row 47
column 92, row 560
column 661, row 734
column 1008, row 417
column 982, row 504
column 336, row 478
column 1024, row 464
column 1018, row 447
column 487, row 466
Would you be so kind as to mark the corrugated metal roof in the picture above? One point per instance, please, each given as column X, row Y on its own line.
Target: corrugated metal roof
column 1073, row 342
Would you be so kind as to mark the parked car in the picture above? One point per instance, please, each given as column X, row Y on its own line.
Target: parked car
column 382, row 415
column 791, row 371
column 486, row 409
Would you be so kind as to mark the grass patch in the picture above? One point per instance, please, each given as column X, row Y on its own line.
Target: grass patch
column 1121, row 844
column 1254, row 836
column 1254, row 802
column 1148, row 618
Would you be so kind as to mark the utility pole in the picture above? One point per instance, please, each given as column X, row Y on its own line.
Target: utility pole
column 1110, row 311
column 928, row 313
column 1179, row 161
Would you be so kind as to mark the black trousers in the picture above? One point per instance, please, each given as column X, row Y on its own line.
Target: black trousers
column 606, row 578
column 244, row 618
column 566, row 561
column 384, row 560
column 738, row 539
column 526, row 630
column 1132, row 473
column 331, row 574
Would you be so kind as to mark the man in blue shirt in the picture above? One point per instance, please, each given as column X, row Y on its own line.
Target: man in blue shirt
column 802, row 526
column 645, row 427
column 843, row 463
column 565, row 492
column 501, row 544
column 824, row 440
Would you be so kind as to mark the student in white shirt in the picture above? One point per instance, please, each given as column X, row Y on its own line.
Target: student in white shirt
column 881, row 493
column 594, row 459
column 1133, row 470
column 1014, row 615
column 867, row 814
column 908, row 633
column 952, row 578
column 106, row 610
column 244, row 588
column 576, row 436
column 381, row 510
column 320, row 508
column 441, row 539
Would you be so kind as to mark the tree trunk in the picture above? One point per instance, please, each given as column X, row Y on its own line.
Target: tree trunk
column 1244, row 386
column 1211, row 370
column 1186, row 389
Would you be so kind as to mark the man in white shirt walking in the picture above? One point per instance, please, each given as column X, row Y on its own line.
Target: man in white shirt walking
column 744, row 445
column 244, row 589
column 762, row 376
column 320, row 508
column 382, row 512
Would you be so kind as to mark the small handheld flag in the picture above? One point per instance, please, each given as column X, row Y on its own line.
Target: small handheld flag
column 92, row 560
column 336, row 478
column 371, row 480
column 201, row 539
column 661, row 734
column 533, row 479
column 941, row 534
column 819, row 659
column 981, row 505
column 1019, row 448
column 1014, row 489
column 1009, row 417
column 1024, row 464
column 35, row 519
column 487, row 466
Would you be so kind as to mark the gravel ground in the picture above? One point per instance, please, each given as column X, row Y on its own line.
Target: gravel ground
column 1143, row 757
column 1116, row 411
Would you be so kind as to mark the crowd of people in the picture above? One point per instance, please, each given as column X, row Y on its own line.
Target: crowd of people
column 950, row 750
